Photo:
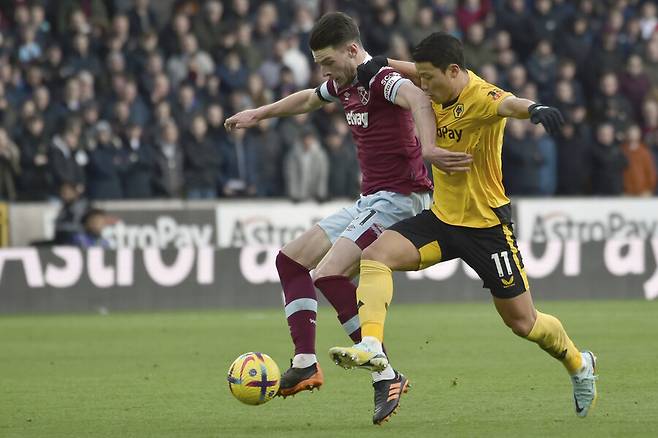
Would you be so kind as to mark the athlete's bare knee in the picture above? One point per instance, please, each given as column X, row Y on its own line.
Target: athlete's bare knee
column 373, row 253
column 321, row 272
column 520, row 326
column 298, row 253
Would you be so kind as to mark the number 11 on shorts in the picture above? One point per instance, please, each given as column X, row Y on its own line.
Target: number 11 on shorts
column 496, row 258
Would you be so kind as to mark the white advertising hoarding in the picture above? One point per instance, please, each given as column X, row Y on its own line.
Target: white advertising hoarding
column 269, row 223
column 586, row 219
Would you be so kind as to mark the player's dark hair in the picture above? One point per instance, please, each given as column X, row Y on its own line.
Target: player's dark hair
column 440, row 49
column 332, row 30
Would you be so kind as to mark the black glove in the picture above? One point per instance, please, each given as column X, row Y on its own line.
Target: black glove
column 548, row 116
column 366, row 71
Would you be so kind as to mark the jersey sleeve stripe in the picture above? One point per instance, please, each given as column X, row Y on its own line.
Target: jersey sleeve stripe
column 319, row 94
column 391, row 95
column 323, row 93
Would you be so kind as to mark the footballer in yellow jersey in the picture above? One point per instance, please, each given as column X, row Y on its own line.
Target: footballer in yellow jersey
column 471, row 124
column 470, row 217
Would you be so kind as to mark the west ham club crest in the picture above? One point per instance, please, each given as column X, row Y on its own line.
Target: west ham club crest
column 364, row 95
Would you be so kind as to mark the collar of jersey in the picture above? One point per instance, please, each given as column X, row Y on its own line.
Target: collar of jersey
column 450, row 103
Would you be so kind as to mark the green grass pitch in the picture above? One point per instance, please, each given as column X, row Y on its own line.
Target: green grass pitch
column 164, row 375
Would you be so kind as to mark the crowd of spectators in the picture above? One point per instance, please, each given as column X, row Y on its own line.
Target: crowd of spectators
column 127, row 98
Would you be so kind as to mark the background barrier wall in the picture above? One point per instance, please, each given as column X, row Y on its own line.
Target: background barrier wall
column 184, row 255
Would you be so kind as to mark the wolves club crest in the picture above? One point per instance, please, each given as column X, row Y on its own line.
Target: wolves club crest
column 458, row 111
column 364, row 95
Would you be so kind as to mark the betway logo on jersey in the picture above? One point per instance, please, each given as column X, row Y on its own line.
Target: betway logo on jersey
column 357, row 119
column 452, row 134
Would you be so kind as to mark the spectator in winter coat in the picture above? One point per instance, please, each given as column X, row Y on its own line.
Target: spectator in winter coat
column 201, row 161
column 209, row 27
column 107, row 163
column 471, row 12
column 139, row 112
column 634, row 84
column 34, row 181
column 239, row 168
column 46, row 108
column 547, row 172
column 215, row 119
column 136, row 181
column 640, row 174
column 82, row 58
column 186, row 106
column 67, row 160
column 189, row 62
column 477, row 49
column 574, row 159
column 575, row 40
column 307, row 170
column 168, row 176
column 521, row 160
column 609, row 106
column 425, row 24
column 94, row 14
column 343, row 166
column 605, row 57
column 142, row 18
column 232, row 72
column 514, row 17
column 542, row 67
column 266, row 151
column 69, row 219
column 609, row 162
column 71, row 103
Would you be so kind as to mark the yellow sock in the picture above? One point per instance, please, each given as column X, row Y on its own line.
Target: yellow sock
column 373, row 296
column 551, row 337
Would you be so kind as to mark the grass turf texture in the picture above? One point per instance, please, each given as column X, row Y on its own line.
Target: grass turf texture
column 164, row 374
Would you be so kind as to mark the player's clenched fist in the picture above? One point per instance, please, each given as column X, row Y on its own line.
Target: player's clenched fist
column 243, row 119
column 548, row 116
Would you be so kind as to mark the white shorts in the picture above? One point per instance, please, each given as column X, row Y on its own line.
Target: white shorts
column 372, row 214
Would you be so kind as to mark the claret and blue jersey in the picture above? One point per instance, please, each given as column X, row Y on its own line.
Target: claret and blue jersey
column 387, row 148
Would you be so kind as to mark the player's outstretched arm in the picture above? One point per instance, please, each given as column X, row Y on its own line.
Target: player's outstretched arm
column 406, row 69
column 303, row 101
column 520, row 108
column 368, row 70
column 412, row 98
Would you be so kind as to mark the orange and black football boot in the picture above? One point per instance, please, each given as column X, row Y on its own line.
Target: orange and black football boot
column 295, row 380
column 387, row 397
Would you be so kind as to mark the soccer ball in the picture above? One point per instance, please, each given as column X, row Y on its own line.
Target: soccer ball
column 254, row 378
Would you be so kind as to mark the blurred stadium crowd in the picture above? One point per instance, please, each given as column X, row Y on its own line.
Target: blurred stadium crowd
column 125, row 99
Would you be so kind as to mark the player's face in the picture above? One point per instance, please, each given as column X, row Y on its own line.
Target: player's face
column 338, row 64
column 437, row 84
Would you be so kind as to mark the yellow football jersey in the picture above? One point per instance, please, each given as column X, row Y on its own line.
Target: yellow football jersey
column 471, row 124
